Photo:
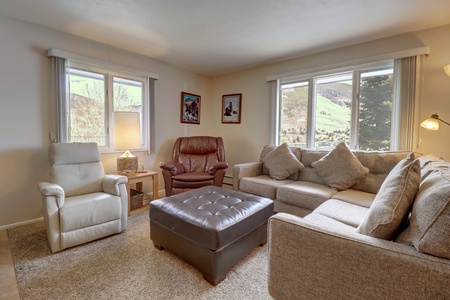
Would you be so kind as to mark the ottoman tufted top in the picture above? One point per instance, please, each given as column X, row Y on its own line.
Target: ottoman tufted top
column 211, row 216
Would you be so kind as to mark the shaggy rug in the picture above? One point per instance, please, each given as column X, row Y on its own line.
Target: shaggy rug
column 124, row 266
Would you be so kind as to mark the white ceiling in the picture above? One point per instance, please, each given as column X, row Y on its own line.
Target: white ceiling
column 216, row 37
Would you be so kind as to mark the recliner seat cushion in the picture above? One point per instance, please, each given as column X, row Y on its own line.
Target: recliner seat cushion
column 88, row 210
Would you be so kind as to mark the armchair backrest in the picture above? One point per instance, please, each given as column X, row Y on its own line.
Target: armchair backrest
column 76, row 167
column 198, row 153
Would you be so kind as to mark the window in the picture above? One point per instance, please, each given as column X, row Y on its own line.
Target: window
column 94, row 95
column 87, row 91
column 354, row 106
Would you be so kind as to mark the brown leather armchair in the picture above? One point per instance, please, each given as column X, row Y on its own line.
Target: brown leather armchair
column 197, row 161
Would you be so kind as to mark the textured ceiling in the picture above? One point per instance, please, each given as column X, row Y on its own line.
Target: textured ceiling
column 216, row 37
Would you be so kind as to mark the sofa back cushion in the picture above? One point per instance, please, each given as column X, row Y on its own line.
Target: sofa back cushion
column 393, row 202
column 429, row 223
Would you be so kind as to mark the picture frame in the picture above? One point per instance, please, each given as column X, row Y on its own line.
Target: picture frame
column 190, row 108
column 231, row 108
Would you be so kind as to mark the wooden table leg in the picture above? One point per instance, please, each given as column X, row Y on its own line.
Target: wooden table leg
column 129, row 197
column 155, row 186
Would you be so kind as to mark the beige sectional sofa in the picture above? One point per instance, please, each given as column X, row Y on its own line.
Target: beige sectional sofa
column 364, row 225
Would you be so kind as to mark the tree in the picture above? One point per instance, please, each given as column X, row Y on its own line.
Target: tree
column 375, row 112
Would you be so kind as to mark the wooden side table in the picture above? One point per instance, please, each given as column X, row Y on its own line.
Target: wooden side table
column 138, row 178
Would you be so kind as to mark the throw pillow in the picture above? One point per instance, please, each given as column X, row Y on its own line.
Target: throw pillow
column 429, row 224
column 340, row 169
column 281, row 162
column 394, row 200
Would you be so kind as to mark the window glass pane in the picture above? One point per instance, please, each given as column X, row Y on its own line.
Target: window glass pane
column 87, row 107
column 294, row 113
column 333, row 111
column 128, row 96
column 375, row 111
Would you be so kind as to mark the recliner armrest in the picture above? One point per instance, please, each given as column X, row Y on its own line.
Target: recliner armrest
column 48, row 189
column 217, row 166
column 174, row 167
column 111, row 183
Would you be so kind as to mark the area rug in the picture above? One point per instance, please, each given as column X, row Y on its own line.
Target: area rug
column 124, row 266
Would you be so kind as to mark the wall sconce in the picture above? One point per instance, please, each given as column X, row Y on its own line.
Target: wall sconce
column 432, row 122
column 447, row 69
column 127, row 136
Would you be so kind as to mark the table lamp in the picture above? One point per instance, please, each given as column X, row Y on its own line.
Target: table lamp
column 127, row 136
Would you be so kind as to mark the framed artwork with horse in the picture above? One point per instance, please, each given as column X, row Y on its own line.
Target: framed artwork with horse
column 190, row 108
column 231, row 108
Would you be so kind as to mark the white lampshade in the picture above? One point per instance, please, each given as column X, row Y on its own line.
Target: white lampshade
column 127, row 130
column 447, row 69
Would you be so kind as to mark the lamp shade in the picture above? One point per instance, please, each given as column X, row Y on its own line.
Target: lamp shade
column 447, row 69
column 430, row 123
column 127, row 130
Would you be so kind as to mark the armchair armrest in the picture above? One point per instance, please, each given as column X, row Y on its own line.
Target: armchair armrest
column 52, row 190
column 250, row 169
column 174, row 167
column 217, row 166
column 111, row 183
column 324, row 263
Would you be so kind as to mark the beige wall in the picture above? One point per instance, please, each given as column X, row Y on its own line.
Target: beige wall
column 25, row 96
column 25, row 101
column 245, row 141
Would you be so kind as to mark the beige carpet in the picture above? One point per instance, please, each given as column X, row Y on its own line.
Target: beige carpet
column 124, row 266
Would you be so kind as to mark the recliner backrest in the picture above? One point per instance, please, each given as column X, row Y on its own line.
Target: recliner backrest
column 198, row 153
column 76, row 167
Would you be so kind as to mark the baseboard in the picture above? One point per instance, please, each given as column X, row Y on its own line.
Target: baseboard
column 4, row 227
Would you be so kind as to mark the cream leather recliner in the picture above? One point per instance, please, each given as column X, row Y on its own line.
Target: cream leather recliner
column 82, row 203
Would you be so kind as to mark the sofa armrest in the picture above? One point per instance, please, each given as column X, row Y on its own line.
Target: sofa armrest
column 310, row 261
column 111, row 183
column 250, row 169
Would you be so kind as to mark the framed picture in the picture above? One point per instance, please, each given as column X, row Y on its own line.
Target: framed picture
column 190, row 108
column 231, row 108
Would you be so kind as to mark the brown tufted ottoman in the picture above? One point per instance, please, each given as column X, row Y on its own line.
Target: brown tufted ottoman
column 211, row 228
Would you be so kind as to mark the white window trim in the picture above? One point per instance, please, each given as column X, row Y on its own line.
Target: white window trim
column 313, row 78
column 117, row 70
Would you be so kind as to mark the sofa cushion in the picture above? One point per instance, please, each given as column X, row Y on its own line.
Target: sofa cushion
column 340, row 168
column 393, row 201
column 355, row 197
column 349, row 214
column 305, row 194
column 281, row 162
column 429, row 223
column 262, row 185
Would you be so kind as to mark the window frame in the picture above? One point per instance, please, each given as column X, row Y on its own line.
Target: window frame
column 110, row 74
column 312, row 79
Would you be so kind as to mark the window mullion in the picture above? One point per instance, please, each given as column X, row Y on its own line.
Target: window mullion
column 311, row 113
column 354, row 128
column 109, row 109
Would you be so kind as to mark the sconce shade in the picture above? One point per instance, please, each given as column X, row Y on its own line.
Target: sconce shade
column 127, row 130
column 431, row 123
column 447, row 69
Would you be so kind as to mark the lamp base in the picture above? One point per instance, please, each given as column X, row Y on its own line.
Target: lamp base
column 127, row 163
